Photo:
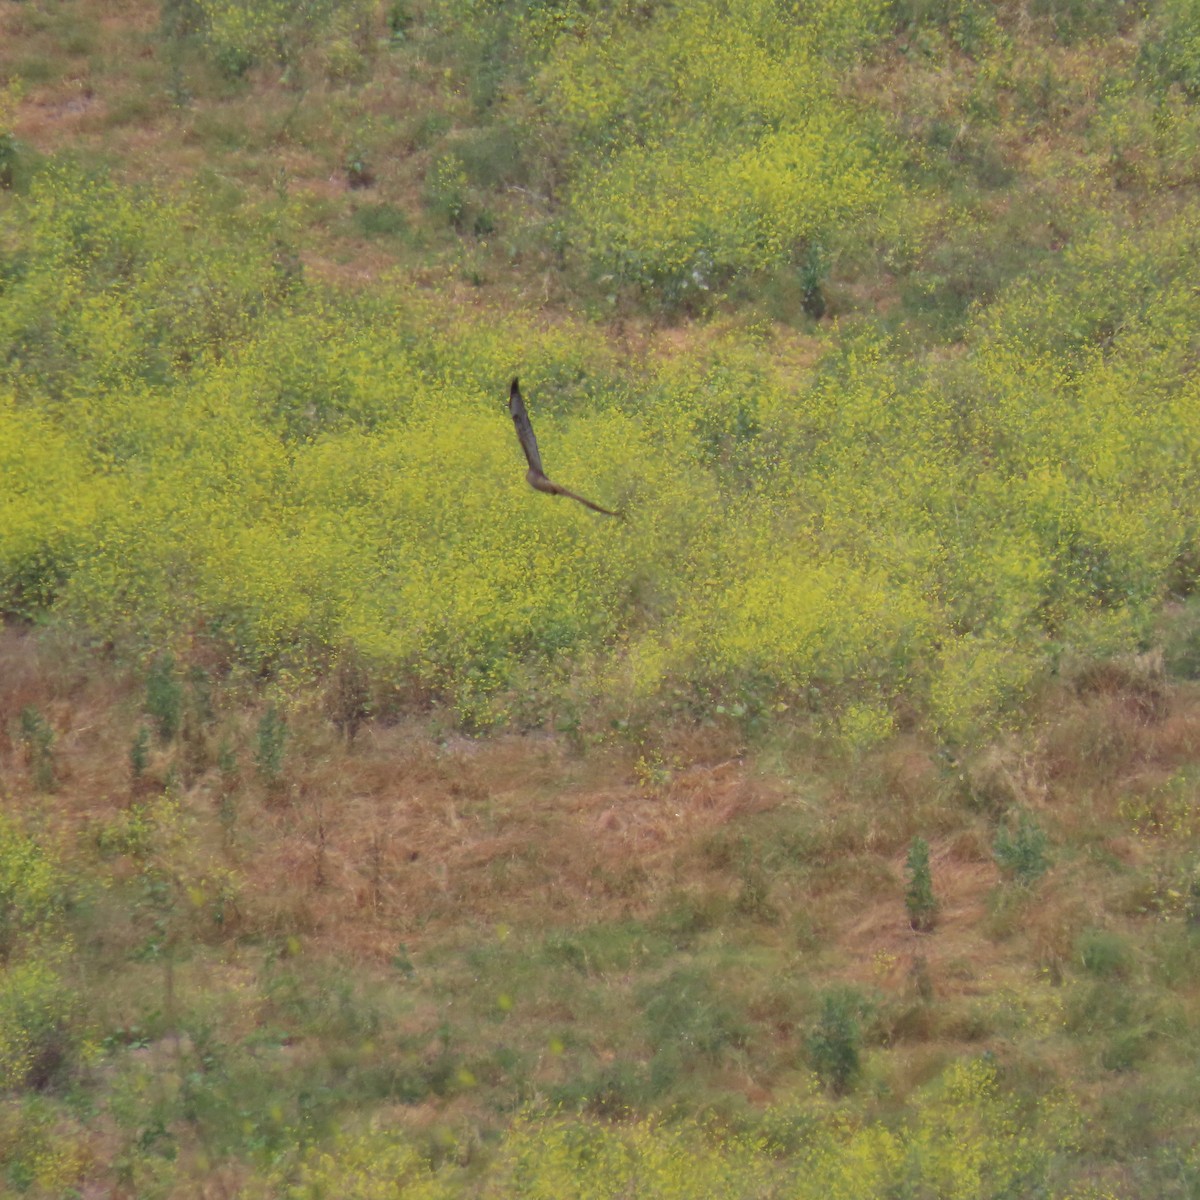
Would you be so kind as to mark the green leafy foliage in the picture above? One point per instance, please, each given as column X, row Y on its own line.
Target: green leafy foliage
column 43, row 1151
column 1104, row 954
column 111, row 295
column 10, row 149
column 29, row 888
column 36, row 1001
column 38, row 737
column 40, row 537
column 241, row 34
column 139, row 753
column 835, row 1040
column 1022, row 851
column 1171, row 53
column 164, row 697
column 272, row 741
column 919, row 900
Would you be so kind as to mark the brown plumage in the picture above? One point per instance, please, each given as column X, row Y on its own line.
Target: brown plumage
column 536, row 476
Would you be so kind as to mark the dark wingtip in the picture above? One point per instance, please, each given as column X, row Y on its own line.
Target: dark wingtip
column 515, row 388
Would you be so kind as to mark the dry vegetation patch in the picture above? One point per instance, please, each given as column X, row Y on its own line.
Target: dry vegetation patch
column 448, row 916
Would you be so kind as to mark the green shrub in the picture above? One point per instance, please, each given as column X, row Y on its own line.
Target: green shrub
column 36, row 1005
column 1170, row 49
column 380, row 220
column 1181, row 639
column 687, row 1021
column 264, row 469
column 116, row 295
column 239, row 34
column 1022, row 852
column 38, row 737
column 835, row 1041
column 10, row 149
column 36, row 1002
column 30, row 888
column 164, row 697
column 271, row 743
column 969, row 23
column 1104, row 954
column 919, row 899
column 139, row 753
column 1075, row 20
column 399, row 18
column 40, row 535
column 445, row 191
column 44, row 1149
column 371, row 1165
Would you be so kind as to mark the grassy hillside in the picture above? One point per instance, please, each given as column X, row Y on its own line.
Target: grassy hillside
column 375, row 825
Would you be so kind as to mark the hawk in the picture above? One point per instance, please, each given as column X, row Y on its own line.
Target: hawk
column 535, row 476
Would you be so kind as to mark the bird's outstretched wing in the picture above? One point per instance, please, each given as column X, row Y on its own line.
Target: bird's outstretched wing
column 516, row 407
column 555, row 490
column 536, row 476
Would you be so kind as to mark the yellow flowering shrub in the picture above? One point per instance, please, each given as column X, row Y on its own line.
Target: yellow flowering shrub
column 44, row 1152
column 39, row 532
column 242, row 33
column 964, row 1139
column 29, row 887
column 369, row 1165
column 36, row 1002
column 288, row 473
column 710, row 139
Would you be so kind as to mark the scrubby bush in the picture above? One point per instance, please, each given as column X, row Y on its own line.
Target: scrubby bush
column 271, row 742
column 285, row 476
column 1022, row 851
column 38, row 736
column 113, row 294
column 371, row 1165
column 1170, row 51
column 919, row 899
column 835, row 1040
column 240, row 34
column 164, row 696
column 36, row 1002
column 30, row 888
column 967, row 1140
column 40, row 535
column 708, row 141
column 9, row 146
column 44, row 1151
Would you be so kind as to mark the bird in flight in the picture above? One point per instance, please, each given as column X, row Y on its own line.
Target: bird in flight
column 535, row 476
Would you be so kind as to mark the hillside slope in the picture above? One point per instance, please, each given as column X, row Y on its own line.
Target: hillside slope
column 372, row 824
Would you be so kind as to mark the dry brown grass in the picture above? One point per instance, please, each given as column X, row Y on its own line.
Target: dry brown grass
column 406, row 836
column 83, row 702
column 398, row 834
column 472, row 860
